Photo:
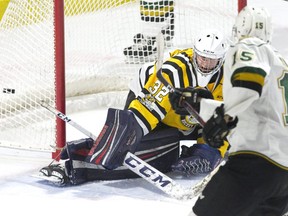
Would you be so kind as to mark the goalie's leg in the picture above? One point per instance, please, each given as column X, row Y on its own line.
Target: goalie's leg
column 64, row 173
column 159, row 148
column 120, row 134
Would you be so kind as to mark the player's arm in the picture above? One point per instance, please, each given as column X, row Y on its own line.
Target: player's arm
column 247, row 77
column 150, row 106
column 153, row 103
column 245, row 80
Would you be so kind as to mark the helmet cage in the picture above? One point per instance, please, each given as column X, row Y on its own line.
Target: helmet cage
column 210, row 56
column 211, row 45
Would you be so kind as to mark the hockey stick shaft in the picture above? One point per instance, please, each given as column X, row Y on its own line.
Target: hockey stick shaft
column 160, row 55
column 67, row 120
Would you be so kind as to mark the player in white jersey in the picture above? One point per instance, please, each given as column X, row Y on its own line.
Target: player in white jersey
column 254, row 181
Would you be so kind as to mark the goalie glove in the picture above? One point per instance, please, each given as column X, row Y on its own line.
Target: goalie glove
column 190, row 94
column 218, row 127
column 197, row 159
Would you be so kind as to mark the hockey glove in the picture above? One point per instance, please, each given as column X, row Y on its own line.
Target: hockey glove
column 189, row 94
column 217, row 127
column 197, row 159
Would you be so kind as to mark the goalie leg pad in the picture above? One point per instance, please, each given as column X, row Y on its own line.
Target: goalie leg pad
column 160, row 148
column 77, row 174
column 120, row 134
column 76, row 148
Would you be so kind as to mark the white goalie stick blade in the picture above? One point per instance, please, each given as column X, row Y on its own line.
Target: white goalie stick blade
column 159, row 63
column 160, row 42
column 144, row 170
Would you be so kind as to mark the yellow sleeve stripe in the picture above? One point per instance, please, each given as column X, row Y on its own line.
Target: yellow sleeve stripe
column 224, row 148
column 249, row 77
column 245, row 76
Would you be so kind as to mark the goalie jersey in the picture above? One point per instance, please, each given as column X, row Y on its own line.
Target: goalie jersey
column 152, row 104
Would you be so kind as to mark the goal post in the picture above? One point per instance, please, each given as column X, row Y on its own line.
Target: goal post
column 27, row 75
column 69, row 53
column 60, row 97
column 241, row 4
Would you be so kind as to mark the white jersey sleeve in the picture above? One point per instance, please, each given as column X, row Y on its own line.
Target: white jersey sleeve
column 255, row 89
column 246, row 68
column 208, row 109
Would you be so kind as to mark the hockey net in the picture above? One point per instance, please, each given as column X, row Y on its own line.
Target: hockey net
column 97, row 72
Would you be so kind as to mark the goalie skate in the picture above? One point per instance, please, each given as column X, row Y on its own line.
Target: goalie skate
column 54, row 174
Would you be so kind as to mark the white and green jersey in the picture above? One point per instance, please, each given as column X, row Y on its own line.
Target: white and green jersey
column 255, row 89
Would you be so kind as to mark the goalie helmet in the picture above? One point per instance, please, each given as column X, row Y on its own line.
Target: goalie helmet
column 253, row 22
column 209, row 53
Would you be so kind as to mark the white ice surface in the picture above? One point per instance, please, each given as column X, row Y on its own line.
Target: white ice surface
column 22, row 194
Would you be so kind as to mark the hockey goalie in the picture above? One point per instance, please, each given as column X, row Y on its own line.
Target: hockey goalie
column 154, row 121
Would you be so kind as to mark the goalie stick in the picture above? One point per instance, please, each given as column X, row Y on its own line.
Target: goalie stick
column 144, row 170
column 67, row 120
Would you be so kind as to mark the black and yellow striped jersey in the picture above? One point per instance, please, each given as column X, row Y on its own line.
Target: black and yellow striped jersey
column 152, row 104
